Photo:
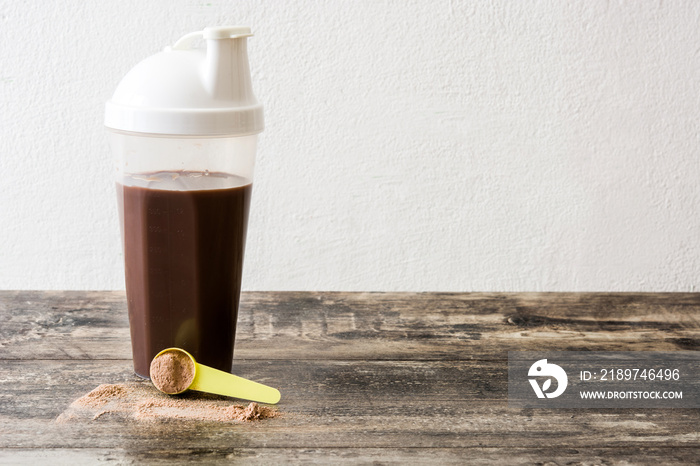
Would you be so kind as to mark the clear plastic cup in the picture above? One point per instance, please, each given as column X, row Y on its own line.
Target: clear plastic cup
column 183, row 205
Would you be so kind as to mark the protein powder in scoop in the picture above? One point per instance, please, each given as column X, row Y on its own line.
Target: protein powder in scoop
column 172, row 372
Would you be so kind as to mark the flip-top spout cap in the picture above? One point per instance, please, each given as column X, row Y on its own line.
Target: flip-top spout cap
column 202, row 91
column 215, row 33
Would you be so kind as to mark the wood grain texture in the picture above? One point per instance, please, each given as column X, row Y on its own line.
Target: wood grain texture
column 365, row 377
column 325, row 456
column 413, row 326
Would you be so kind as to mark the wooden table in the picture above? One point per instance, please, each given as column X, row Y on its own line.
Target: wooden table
column 365, row 377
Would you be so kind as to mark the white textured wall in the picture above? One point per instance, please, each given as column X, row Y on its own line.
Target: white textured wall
column 410, row 145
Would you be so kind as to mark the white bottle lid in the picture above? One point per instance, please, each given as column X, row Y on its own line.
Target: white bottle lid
column 190, row 91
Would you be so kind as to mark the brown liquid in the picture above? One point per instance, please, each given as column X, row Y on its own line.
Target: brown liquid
column 183, row 252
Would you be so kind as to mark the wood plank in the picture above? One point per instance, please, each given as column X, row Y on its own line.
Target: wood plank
column 324, row 456
column 420, row 326
column 480, row 426
column 333, row 404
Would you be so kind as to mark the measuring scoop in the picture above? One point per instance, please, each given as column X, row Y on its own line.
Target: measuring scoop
column 174, row 371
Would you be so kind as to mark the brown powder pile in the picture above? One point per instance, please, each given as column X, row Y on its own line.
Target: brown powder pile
column 172, row 372
column 140, row 401
column 101, row 394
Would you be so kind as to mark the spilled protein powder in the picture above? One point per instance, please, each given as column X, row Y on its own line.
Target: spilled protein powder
column 141, row 401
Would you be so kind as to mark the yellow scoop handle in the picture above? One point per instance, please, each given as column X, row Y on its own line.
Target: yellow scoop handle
column 210, row 380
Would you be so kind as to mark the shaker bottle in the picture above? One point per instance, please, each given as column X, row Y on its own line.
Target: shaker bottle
column 183, row 128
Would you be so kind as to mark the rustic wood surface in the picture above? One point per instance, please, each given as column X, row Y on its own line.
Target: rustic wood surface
column 365, row 377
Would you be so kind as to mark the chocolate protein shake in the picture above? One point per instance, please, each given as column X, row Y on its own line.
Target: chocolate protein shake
column 184, row 239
